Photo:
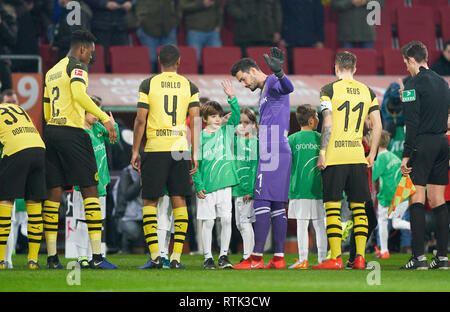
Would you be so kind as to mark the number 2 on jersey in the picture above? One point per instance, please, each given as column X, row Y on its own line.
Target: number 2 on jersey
column 346, row 106
column 55, row 93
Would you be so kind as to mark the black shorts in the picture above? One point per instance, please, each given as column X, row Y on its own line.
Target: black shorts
column 69, row 156
column 160, row 171
column 429, row 162
column 349, row 178
column 22, row 175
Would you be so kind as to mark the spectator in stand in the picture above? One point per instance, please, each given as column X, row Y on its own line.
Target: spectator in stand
column 257, row 22
column 41, row 13
column 63, row 30
column 109, row 22
column 157, row 25
column 442, row 65
column 303, row 23
column 204, row 19
column 8, row 37
column 353, row 29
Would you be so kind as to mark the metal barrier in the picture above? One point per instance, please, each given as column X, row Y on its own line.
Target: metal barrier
column 24, row 57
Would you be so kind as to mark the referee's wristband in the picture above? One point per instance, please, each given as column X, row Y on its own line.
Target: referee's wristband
column 322, row 152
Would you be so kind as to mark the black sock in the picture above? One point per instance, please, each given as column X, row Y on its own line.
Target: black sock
column 417, row 220
column 441, row 218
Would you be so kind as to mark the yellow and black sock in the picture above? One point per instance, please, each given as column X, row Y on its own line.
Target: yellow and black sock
column 150, row 224
column 50, row 217
column 181, row 224
column 5, row 227
column 334, row 227
column 93, row 216
column 360, row 227
column 35, row 228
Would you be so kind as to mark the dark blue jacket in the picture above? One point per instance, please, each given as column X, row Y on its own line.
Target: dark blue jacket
column 303, row 22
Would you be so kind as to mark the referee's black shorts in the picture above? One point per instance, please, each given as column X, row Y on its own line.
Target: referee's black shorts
column 161, row 170
column 22, row 175
column 429, row 162
column 69, row 157
column 349, row 178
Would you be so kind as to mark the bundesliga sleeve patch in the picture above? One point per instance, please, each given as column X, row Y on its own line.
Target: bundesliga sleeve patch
column 409, row 95
column 78, row 73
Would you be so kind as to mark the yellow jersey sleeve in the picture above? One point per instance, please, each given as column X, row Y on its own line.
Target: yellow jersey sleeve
column 194, row 100
column 144, row 89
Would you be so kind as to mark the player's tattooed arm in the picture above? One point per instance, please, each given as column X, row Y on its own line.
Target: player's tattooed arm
column 326, row 129
column 327, row 124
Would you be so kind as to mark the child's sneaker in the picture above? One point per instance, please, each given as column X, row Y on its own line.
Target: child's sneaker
column 165, row 263
column 276, row 263
column 224, row 263
column 300, row 265
column 383, row 255
column 209, row 264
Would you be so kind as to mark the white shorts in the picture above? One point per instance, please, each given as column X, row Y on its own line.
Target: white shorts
column 306, row 209
column 164, row 214
column 217, row 204
column 244, row 212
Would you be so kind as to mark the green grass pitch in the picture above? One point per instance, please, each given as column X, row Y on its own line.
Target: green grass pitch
column 128, row 278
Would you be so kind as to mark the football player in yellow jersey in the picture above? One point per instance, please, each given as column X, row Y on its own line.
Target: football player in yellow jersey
column 70, row 157
column 345, row 104
column 164, row 101
column 22, row 175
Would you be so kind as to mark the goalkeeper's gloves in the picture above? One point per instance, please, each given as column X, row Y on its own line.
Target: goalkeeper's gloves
column 275, row 61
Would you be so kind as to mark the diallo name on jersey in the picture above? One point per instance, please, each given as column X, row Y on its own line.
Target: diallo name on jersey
column 171, row 84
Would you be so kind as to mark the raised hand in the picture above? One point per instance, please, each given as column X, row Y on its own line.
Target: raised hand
column 228, row 88
column 275, row 62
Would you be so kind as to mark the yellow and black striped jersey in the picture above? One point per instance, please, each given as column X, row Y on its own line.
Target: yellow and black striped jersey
column 350, row 101
column 167, row 96
column 60, row 105
column 17, row 131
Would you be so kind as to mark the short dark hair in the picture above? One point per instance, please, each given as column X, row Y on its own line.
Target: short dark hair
column 446, row 43
column 304, row 112
column 97, row 100
column 6, row 92
column 168, row 55
column 417, row 50
column 203, row 99
column 81, row 37
column 243, row 65
column 346, row 60
column 211, row 108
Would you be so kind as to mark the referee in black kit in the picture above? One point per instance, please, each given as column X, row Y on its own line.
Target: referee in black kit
column 426, row 99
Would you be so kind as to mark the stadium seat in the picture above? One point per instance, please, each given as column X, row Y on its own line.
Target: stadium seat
column 257, row 53
column 126, row 59
column 434, row 4
column 366, row 63
column 99, row 64
column 411, row 28
column 310, row 61
column 391, row 6
column 331, row 37
column 49, row 57
column 393, row 62
column 219, row 60
column 383, row 36
column 445, row 23
column 189, row 64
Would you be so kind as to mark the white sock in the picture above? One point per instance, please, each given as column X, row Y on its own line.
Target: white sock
column 162, row 238
column 279, row 254
column 207, row 237
column 383, row 228
column 321, row 239
column 302, row 239
column 400, row 224
column 248, row 238
column 225, row 235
